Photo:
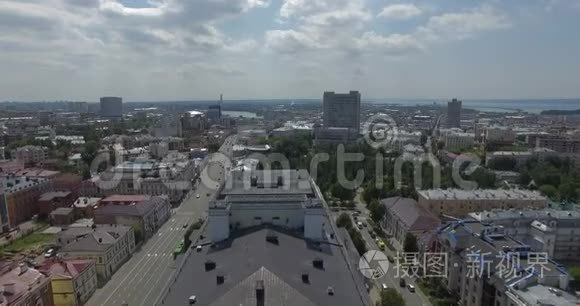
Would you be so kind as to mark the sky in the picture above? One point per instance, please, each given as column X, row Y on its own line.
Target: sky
column 152, row 50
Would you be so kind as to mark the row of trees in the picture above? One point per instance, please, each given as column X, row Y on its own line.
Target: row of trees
column 555, row 177
column 345, row 221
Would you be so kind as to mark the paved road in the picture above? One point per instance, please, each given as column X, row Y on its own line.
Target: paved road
column 390, row 279
column 141, row 280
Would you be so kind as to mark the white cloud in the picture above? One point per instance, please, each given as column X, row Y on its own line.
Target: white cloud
column 290, row 41
column 394, row 44
column 465, row 24
column 400, row 11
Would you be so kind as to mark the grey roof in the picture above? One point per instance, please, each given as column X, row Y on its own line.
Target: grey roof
column 250, row 257
column 98, row 239
column 62, row 211
column 411, row 214
column 543, row 295
column 278, row 292
column 481, row 194
column 139, row 209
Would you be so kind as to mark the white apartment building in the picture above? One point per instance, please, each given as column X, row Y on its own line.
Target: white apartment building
column 30, row 154
column 108, row 245
column 555, row 232
column 284, row 198
column 458, row 203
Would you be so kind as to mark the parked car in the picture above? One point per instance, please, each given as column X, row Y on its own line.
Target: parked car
column 402, row 282
column 50, row 253
column 384, row 286
column 411, row 287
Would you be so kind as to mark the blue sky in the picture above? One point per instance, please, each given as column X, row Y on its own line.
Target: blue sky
column 183, row 49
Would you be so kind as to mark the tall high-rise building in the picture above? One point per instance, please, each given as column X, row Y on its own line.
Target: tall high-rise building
column 215, row 111
column 112, row 107
column 454, row 113
column 341, row 110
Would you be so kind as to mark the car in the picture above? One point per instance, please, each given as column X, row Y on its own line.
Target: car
column 199, row 248
column 192, row 299
column 390, row 259
column 50, row 253
column 355, row 218
column 402, row 282
column 372, row 234
column 364, row 224
column 411, row 287
column 355, row 214
column 185, row 225
column 197, row 196
column 207, row 194
column 359, row 225
column 381, row 245
column 384, row 286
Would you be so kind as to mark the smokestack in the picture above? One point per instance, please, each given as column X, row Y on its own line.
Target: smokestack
column 260, row 293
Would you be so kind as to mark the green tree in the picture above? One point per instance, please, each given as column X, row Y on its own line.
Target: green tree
column 377, row 210
column 391, row 297
column 549, row 191
column 410, row 245
column 344, row 221
column 338, row 191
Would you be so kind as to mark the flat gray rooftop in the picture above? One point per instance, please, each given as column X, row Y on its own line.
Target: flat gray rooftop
column 249, row 261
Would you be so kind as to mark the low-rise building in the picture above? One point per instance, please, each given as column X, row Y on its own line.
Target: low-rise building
column 30, row 154
column 335, row 135
column 500, row 135
column 404, row 216
column 62, row 216
column 108, row 245
column 50, row 201
column 145, row 216
column 486, row 266
column 548, row 230
column 171, row 177
column 22, row 286
column 458, row 141
column 84, row 206
column 458, row 203
column 73, row 282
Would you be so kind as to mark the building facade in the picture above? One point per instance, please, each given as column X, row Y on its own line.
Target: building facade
column 454, row 113
column 458, row 203
column 73, row 282
column 341, row 110
column 555, row 232
column 24, row 286
column 30, row 154
column 112, row 107
column 108, row 245
column 283, row 198
column 404, row 216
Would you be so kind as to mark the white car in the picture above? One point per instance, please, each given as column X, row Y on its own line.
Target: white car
column 197, row 196
column 411, row 287
column 192, row 299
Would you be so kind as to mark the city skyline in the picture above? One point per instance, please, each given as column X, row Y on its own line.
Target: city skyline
column 267, row 49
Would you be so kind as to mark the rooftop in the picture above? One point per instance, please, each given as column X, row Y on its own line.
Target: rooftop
column 263, row 182
column 481, row 194
column 125, row 198
column 412, row 215
column 280, row 268
column 543, row 295
column 97, row 239
column 18, row 282
column 49, row 196
column 68, row 268
column 86, row 201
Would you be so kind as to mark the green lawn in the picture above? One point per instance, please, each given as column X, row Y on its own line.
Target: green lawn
column 35, row 242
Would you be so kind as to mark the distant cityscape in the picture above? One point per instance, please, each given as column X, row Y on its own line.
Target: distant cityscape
column 332, row 201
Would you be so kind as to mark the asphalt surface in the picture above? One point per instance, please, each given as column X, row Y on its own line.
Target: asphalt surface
column 142, row 279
